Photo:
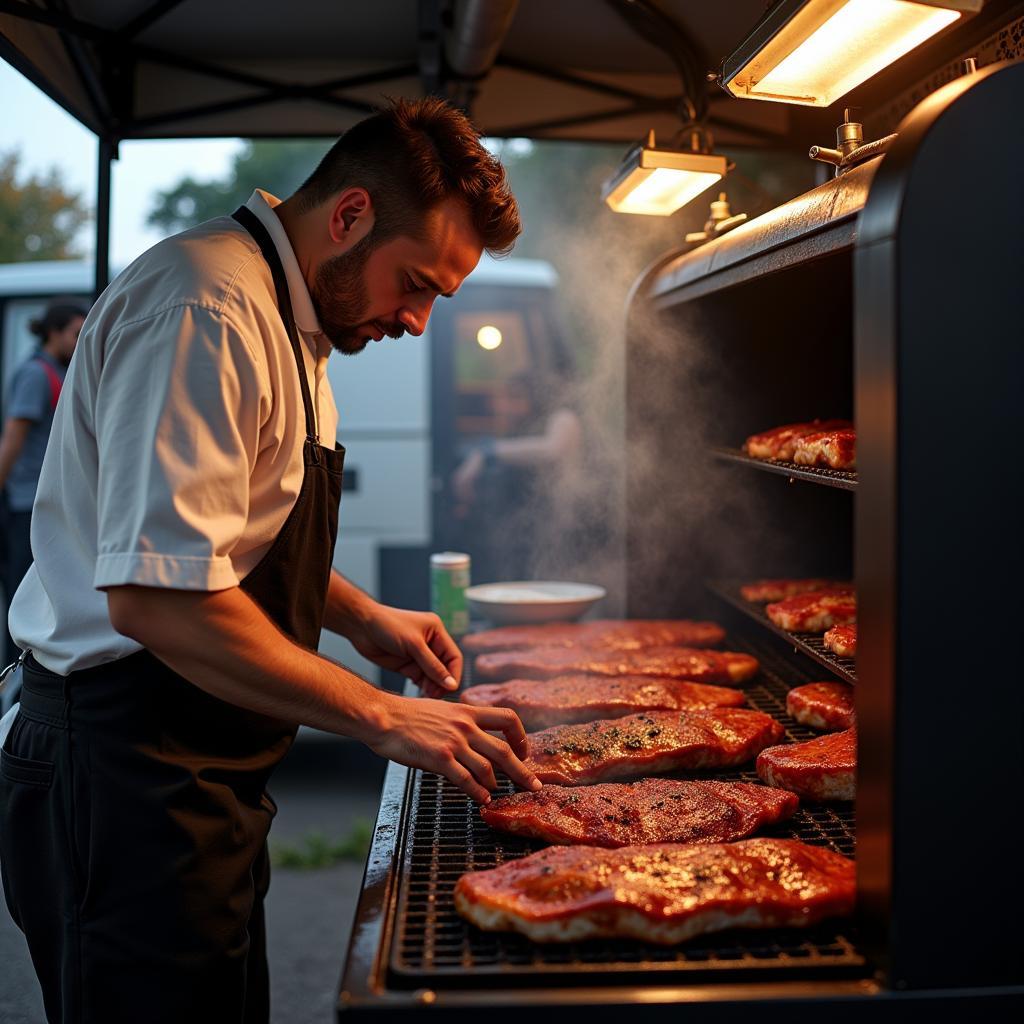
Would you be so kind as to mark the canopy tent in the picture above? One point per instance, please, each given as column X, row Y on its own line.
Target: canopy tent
column 607, row 70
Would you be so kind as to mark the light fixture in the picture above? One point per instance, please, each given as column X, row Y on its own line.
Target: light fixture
column 488, row 337
column 814, row 51
column 660, row 181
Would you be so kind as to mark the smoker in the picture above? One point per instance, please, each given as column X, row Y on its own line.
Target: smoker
column 889, row 294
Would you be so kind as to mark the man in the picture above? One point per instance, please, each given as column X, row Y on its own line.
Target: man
column 183, row 534
column 31, row 403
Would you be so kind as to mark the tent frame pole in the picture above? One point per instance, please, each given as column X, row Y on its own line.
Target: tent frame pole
column 105, row 159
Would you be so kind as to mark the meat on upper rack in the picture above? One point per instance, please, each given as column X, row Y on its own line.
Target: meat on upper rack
column 600, row 634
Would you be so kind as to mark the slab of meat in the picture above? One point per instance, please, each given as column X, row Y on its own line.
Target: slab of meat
column 842, row 640
column 666, row 662
column 601, row 634
column 820, row 769
column 649, row 811
column 649, row 744
column 825, row 706
column 540, row 703
column 778, row 590
column 780, row 442
column 834, row 448
column 664, row 893
column 815, row 612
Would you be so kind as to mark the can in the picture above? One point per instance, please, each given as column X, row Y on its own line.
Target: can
column 449, row 577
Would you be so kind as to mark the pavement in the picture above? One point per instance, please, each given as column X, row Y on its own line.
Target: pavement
column 326, row 785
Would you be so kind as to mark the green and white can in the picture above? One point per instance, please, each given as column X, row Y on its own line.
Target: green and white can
column 449, row 577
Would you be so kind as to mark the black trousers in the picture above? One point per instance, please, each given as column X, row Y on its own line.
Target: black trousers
column 18, row 557
column 135, row 866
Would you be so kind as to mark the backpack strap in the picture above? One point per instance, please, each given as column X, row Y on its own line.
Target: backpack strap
column 54, row 378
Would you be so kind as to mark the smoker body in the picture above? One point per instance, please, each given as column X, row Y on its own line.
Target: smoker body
column 885, row 295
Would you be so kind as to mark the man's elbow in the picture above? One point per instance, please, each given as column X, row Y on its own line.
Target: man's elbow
column 129, row 612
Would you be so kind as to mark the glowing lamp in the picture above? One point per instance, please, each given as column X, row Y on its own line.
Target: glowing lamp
column 488, row 337
column 814, row 51
column 660, row 181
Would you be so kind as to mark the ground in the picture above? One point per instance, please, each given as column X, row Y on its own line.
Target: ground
column 324, row 785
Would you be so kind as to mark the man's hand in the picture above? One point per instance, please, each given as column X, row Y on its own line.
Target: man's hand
column 453, row 740
column 416, row 644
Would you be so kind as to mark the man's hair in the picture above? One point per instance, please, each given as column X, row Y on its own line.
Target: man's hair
column 410, row 158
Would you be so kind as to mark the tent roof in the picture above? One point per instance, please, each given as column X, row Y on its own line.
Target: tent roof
column 568, row 69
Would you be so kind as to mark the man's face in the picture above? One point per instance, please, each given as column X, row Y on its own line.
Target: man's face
column 388, row 289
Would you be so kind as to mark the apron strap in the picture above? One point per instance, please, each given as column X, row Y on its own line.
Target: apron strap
column 255, row 227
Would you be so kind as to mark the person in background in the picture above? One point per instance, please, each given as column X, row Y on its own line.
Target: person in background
column 31, row 404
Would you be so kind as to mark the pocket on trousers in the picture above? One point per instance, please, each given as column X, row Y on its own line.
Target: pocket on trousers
column 26, row 771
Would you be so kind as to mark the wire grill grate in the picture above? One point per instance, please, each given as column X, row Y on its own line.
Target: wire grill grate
column 445, row 837
column 810, row 644
column 844, row 479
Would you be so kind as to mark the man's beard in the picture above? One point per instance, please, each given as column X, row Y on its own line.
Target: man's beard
column 341, row 300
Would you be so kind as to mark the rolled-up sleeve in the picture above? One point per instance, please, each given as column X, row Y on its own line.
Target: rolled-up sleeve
column 178, row 415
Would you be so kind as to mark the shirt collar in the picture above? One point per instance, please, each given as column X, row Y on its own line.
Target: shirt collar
column 262, row 204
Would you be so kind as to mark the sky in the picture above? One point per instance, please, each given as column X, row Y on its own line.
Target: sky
column 46, row 136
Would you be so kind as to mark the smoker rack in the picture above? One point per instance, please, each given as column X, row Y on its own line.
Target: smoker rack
column 810, row 644
column 844, row 479
column 444, row 836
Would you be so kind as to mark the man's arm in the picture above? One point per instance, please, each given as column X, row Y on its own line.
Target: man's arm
column 12, row 441
column 222, row 642
column 416, row 644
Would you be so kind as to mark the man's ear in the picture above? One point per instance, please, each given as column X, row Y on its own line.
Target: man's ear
column 352, row 218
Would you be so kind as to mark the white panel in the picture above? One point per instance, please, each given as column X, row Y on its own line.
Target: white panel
column 383, row 388
column 356, row 559
column 392, row 495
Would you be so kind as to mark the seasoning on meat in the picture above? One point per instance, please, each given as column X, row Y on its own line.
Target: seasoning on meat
column 824, row 706
column 649, row 811
column 820, row 769
column 834, row 448
column 780, row 442
column 761, row 591
column 668, row 662
column 842, row 640
column 665, row 893
column 815, row 612
column 540, row 703
column 649, row 744
column 601, row 634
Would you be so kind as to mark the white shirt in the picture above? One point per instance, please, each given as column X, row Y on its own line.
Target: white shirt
column 176, row 450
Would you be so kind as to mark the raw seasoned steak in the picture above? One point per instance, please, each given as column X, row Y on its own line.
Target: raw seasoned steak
column 834, row 448
column 540, row 703
column 820, row 769
column 649, row 811
column 667, row 662
column 665, row 893
column 601, row 634
column 761, row 591
column 825, row 706
column 649, row 744
column 842, row 640
column 815, row 612
column 780, row 442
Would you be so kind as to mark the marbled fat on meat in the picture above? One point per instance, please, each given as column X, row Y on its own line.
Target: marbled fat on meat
column 824, row 706
column 649, row 744
column 600, row 634
column 821, row 769
column 541, row 703
column 650, row 811
column 816, row 611
column 780, row 442
column 668, row 662
column 664, row 893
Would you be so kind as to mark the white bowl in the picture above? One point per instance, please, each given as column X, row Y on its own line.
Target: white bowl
column 529, row 601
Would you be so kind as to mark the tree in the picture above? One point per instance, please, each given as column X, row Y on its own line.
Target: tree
column 279, row 166
column 39, row 216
